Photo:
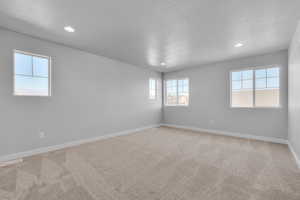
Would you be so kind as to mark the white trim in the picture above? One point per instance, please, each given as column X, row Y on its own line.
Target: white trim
column 227, row 133
column 294, row 154
column 20, row 155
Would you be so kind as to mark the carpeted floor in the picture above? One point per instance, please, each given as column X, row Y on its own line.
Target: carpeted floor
column 157, row 164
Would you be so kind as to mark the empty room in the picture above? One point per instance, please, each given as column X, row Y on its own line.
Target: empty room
column 149, row 100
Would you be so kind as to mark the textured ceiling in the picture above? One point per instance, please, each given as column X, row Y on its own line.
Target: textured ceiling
column 181, row 33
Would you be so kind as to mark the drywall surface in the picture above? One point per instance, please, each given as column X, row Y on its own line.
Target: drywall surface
column 294, row 93
column 91, row 96
column 209, row 106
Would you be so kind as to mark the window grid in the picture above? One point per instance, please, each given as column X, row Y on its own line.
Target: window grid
column 32, row 70
column 177, row 92
column 33, row 74
column 242, row 81
column 266, row 78
column 254, row 80
column 152, row 88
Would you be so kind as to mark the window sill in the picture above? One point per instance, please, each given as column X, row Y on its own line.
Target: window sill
column 31, row 95
column 176, row 105
column 257, row 108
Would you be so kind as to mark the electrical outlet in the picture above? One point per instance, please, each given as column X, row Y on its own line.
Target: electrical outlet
column 42, row 134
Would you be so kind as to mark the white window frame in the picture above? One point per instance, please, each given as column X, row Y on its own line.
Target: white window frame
column 156, row 88
column 165, row 92
column 254, row 87
column 49, row 73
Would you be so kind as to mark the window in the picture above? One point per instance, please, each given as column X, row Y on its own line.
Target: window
column 242, row 89
column 31, row 74
column 152, row 88
column 177, row 92
column 257, row 87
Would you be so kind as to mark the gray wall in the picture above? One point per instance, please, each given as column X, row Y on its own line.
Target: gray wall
column 294, row 93
column 210, row 100
column 92, row 96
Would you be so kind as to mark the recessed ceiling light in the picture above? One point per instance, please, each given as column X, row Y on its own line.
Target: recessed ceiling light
column 69, row 29
column 239, row 44
column 163, row 64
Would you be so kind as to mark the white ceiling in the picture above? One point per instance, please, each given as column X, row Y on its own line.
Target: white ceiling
column 182, row 33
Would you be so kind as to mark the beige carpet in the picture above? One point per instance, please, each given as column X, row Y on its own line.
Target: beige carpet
column 157, row 164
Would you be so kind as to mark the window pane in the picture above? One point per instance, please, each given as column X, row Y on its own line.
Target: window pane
column 182, row 86
column 174, row 83
column 273, row 82
column 171, row 100
column 183, row 99
column 267, row 97
column 242, row 98
column 25, row 85
column 185, row 83
column 168, row 83
column 236, row 85
column 273, row 72
column 152, row 89
column 186, row 88
column 40, row 66
column 267, row 89
column 236, row 76
column 180, row 83
column 151, row 85
column 177, row 92
column 180, row 89
column 260, row 83
column 260, row 73
column 171, row 92
column 23, row 64
column 183, row 92
column 247, row 74
column 242, row 90
column 248, row 84
column 152, row 94
column 31, row 75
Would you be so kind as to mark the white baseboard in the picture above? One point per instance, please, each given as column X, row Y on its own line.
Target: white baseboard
column 240, row 135
column 294, row 154
column 17, row 156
